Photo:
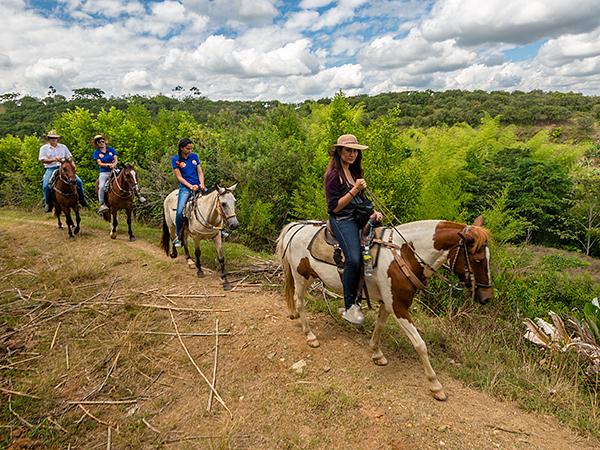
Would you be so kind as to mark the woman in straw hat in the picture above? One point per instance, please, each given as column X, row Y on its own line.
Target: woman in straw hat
column 344, row 190
column 106, row 158
column 50, row 156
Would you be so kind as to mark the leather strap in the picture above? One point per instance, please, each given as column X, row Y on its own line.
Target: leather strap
column 407, row 271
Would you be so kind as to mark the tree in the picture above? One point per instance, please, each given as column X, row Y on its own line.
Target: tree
column 88, row 93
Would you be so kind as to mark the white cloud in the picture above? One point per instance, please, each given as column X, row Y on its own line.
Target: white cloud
column 415, row 54
column 346, row 77
column 566, row 48
column 136, row 80
column 346, row 46
column 52, row 70
column 313, row 4
column 473, row 22
column 338, row 14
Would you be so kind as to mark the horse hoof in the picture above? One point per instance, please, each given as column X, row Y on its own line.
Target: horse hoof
column 294, row 316
column 380, row 361
column 227, row 286
column 440, row 395
column 113, row 236
column 200, row 274
column 76, row 230
column 71, row 238
column 132, row 238
column 173, row 255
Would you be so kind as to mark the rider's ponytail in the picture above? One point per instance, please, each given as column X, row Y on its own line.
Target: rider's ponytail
column 182, row 143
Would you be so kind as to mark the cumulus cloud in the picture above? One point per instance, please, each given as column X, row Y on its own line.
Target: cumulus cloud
column 344, row 11
column 346, row 77
column 136, row 80
column 567, row 48
column 52, row 70
column 473, row 22
column 415, row 54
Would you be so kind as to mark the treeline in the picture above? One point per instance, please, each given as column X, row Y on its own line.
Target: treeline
column 533, row 189
column 26, row 115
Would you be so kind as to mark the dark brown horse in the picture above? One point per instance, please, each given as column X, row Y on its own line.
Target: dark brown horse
column 65, row 196
column 120, row 195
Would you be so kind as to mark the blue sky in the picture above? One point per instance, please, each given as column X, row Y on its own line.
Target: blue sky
column 291, row 51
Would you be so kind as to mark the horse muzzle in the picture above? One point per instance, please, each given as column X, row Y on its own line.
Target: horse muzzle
column 233, row 223
column 484, row 294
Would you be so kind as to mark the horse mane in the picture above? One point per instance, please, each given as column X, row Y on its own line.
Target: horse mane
column 480, row 236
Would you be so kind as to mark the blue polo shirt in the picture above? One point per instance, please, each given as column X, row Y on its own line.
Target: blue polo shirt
column 188, row 167
column 106, row 157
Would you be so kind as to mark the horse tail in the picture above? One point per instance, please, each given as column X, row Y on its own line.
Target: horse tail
column 288, row 279
column 166, row 236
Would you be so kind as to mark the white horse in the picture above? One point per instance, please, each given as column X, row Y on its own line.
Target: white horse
column 206, row 216
column 406, row 257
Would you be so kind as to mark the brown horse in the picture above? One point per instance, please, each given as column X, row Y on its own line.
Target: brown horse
column 120, row 196
column 65, row 196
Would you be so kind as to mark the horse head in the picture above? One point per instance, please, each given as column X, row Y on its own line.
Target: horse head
column 472, row 264
column 67, row 171
column 227, row 206
column 130, row 179
column 468, row 255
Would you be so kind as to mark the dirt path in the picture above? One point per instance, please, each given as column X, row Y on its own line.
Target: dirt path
column 341, row 401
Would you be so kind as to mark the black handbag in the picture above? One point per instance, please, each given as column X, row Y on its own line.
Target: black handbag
column 362, row 211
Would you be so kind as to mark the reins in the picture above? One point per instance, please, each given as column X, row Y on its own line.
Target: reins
column 388, row 213
column 67, row 182
column 203, row 221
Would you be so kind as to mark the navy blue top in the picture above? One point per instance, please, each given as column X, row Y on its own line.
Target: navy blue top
column 188, row 167
column 106, row 158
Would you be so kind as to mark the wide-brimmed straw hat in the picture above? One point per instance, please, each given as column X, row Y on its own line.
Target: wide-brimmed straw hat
column 98, row 136
column 347, row 140
column 52, row 134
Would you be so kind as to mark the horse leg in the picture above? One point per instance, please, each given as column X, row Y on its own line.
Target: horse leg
column 77, row 220
column 300, row 288
column 57, row 211
column 197, row 255
column 378, row 357
column 69, row 223
column 188, row 258
column 131, row 236
column 221, row 257
column 417, row 341
column 115, row 222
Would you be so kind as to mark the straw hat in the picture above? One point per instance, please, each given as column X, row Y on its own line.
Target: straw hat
column 347, row 140
column 98, row 136
column 52, row 134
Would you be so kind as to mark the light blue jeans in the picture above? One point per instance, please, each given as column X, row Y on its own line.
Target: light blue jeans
column 182, row 198
column 46, row 184
column 102, row 179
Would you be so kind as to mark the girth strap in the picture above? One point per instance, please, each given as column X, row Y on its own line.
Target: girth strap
column 406, row 270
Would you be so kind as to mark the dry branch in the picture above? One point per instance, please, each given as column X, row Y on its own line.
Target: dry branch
column 103, row 402
column 218, row 397
column 171, row 308
column 21, row 394
column 156, row 430
column 23, row 421
column 214, row 379
column 89, row 414
column 54, row 338
column 167, row 333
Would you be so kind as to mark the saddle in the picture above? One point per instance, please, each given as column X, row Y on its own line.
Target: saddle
column 324, row 246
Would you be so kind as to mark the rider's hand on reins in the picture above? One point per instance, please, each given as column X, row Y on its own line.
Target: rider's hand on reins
column 360, row 184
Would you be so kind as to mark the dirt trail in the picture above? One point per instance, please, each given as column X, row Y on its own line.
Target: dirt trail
column 341, row 401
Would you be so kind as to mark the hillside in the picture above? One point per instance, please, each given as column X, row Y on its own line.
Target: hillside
column 76, row 325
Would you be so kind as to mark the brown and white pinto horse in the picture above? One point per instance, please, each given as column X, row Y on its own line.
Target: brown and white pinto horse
column 66, row 197
column 421, row 246
column 120, row 195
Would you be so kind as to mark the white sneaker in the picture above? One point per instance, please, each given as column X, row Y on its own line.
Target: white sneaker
column 354, row 315
column 177, row 242
column 103, row 208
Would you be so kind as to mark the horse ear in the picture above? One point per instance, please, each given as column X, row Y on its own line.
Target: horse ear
column 221, row 189
column 232, row 188
column 478, row 221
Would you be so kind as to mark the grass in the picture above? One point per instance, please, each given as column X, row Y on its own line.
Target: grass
column 484, row 347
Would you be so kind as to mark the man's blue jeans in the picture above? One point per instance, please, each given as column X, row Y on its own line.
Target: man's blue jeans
column 347, row 233
column 46, row 184
column 182, row 198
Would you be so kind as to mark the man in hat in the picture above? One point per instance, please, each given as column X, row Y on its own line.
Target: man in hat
column 50, row 156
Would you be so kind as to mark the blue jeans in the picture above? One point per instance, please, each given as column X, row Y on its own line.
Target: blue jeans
column 47, row 190
column 347, row 233
column 182, row 198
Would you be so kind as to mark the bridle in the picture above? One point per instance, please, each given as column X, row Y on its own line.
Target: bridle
column 203, row 221
column 468, row 268
column 70, row 183
column 128, row 192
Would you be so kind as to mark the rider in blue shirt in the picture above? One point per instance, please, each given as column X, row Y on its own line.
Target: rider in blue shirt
column 106, row 158
column 186, row 167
